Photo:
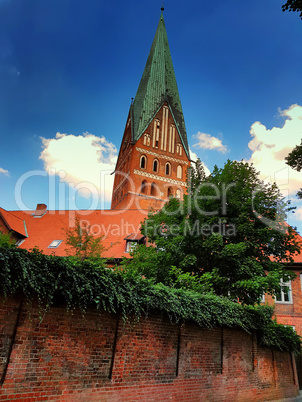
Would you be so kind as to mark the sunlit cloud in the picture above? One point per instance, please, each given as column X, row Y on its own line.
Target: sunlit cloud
column 85, row 161
column 270, row 147
column 3, row 171
column 207, row 141
column 194, row 158
column 298, row 214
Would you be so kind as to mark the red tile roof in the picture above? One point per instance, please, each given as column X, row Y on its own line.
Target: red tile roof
column 113, row 225
column 13, row 222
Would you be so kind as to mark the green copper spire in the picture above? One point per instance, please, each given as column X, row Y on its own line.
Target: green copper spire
column 158, row 84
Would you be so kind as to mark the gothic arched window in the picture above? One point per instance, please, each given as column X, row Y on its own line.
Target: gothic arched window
column 168, row 169
column 155, row 165
column 154, row 189
column 143, row 162
column 179, row 172
column 144, row 187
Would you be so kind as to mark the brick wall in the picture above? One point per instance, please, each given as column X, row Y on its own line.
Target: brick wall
column 59, row 356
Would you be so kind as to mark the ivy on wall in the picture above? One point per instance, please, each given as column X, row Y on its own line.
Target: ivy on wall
column 87, row 284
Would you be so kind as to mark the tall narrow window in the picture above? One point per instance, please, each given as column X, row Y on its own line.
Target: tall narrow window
column 179, row 172
column 143, row 162
column 156, row 127
column 170, row 192
column 178, row 193
column 179, row 149
column 147, row 139
column 155, row 165
column 168, row 169
column 153, row 189
column 144, row 187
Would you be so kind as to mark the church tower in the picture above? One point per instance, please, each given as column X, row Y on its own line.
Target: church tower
column 154, row 154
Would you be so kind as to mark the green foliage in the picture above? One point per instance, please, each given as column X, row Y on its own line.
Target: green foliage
column 229, row 233
column 294, row 158
column 89, row 284
column 293, row 5
column 82, row 244
column 6, row 240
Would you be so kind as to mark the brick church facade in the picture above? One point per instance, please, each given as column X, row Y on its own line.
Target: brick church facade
column 154, row 153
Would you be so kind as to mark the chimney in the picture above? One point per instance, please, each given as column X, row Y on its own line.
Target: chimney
column 40, row 211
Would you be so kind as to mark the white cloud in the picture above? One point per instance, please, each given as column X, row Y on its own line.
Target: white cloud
column 85, row 161
column 270, row 146
column 3, row 171
column 207, row 141
column 194, row 158
column 193, row 155
column 298, row 213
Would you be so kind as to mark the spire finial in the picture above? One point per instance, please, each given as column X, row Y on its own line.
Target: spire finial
column 163, row 6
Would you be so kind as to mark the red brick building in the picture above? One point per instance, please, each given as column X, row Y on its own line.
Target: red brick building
column 154, row 153
column 152, row 166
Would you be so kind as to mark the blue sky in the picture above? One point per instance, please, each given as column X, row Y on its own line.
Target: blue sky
column 71, row 67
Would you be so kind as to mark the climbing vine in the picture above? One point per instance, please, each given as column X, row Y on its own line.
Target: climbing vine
column 90, row 284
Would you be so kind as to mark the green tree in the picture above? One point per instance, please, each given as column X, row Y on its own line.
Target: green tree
column 6, row 240
column 293, row 5
column 82, row 244
column 229, row 235
column 294, row 160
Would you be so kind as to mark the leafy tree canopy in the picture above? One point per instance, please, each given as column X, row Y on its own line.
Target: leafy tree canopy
column 294, row 160
column 6, row 240
column 82, row 244
column 227, row 237
column 293, row 5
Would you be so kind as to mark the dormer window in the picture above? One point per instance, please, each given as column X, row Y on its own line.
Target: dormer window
column 19, row 242
column 133, row 240
column 55, row 244
column 131, row 246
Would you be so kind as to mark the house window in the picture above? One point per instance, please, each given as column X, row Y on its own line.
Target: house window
column 143, row 162
column 19, row 242
column 177, row 193
column 168, row 169
column 55, row 244
column 179, row 172
column 285, row 295
column 155, row 165
column 130, row 246
column 170, row 192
